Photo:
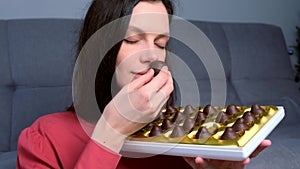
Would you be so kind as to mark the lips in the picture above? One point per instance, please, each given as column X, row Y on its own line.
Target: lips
column 141, row 73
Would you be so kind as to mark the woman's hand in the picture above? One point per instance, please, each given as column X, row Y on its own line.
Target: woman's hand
column 200, row 163
column 137, row 104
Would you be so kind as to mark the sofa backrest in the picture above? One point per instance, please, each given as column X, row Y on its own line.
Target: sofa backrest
column 6, row 90
column 36, row 66
column 217, row 36
column 37, row 58
column 262, row 69
column 254, row 58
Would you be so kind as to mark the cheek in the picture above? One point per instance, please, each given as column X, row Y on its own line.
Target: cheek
column 125, row 54
column 121, row 55
column 119, row 72
column 163, row 56
column 123, row 75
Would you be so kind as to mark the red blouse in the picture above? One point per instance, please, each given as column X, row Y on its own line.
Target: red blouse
column 58, row 141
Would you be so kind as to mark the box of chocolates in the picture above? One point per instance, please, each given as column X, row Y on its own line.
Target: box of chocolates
column 216, row 132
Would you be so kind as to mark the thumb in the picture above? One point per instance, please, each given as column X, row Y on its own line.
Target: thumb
column 142, row 80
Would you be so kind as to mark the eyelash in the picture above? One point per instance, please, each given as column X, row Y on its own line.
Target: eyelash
column 130, row 41
column 135, row 41
column 161, row 47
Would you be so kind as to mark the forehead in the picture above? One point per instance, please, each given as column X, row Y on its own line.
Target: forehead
column 150, row 16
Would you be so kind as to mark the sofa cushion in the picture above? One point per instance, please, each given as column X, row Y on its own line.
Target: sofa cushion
column 283, row 153
column 31, row 103
column 42, row 56
column 261, row 63
column 256, row 53
column 220, row 96
column 6, row 89
column 216, row 35
column 251, row 90
column 4, row 60
column 42, row 53
column 6, row 97
column 8, row 160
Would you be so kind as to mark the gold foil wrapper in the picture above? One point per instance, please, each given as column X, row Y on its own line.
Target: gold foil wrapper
column 217, row 120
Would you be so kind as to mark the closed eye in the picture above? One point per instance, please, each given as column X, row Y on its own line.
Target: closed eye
column 130, row 41
column 161, row 41
column 161, row 46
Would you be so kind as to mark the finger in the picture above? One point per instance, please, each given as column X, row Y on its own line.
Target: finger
column 162, row 96
column 264, row 144
column 199, row 160
column 142, row 80
column 158, row 100
column 202, row 163
column 168, row 87
column 158, row 81
column 247, row 161
column 163, row 93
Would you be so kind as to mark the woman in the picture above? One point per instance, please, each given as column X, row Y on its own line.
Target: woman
column 58, row 140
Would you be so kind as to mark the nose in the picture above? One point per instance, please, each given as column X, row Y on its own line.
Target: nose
column 150, row 53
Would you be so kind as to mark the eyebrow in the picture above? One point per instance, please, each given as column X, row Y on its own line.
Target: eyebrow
column 138, row 30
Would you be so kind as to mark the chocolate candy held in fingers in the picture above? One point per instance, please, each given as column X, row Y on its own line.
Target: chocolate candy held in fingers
column 157, row 66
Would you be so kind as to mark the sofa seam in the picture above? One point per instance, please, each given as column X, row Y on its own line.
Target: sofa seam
column 12, row 83
column 42, row 86
column 230, row 54
column 267, row 78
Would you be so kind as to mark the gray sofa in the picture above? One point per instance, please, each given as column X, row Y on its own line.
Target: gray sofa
column 36, row 65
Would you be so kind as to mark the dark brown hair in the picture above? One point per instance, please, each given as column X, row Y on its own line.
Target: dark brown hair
column 100, row 13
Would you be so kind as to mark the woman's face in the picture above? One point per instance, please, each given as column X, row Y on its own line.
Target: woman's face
column 145, row 41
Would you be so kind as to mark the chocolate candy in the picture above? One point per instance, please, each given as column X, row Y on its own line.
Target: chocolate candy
column 166, row 124
column 155, row 131
column 232, row 110
column 161, row 116
column 171, row 110
column 178, row 117
column 178, row 131
column 257, row 110
column 156, row 66
column 222, row 117
column 201, row 117
column 188, row 124
column 229, row 134
column 240, row 125
column 189, row 110
column 202, row 133
column 212, row 125
column 209, row 109
column 249, row 118
column 151, row 124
